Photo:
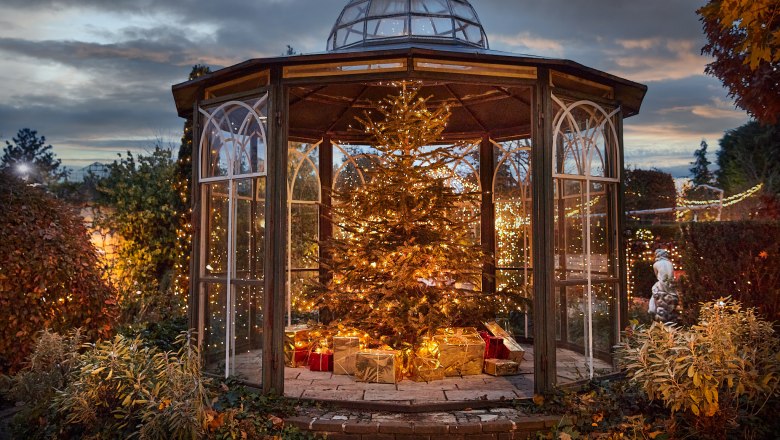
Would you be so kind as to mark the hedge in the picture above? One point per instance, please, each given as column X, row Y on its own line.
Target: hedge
column 736, row 259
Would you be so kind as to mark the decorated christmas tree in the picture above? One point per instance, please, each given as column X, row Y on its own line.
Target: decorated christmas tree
column 405, row 258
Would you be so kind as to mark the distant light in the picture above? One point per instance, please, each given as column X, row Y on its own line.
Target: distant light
column 23, row 168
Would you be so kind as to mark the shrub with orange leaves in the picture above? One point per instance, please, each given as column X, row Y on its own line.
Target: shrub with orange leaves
column 49, row 272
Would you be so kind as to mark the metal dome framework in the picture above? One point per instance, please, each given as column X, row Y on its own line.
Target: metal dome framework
column 375, row 22
column 546, row 136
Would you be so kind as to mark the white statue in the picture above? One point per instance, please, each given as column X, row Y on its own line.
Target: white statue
column 664, row 299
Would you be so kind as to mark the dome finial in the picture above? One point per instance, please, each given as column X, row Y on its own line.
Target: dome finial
column 376, row 22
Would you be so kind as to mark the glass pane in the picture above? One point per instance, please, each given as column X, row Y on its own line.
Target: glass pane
column 570, row 257
column 388, row 7
column 216, row 230
column 302, row 177
column 234, row 138
column 432, row 26
column 603, row 322
column 354, row 12
column 431, row 7
column 247, row 355
column 463, row 10
column 302, row 309
column 248, row 230
column 386, row 27
column 600, row 255
column 576, row 308
column 585, row 140
column 214, row 328
column 521, row 283
column 304, row 233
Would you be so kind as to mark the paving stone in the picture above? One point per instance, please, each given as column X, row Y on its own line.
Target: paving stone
column 421, row 396
column 387, row 387
column 488, row 417
column 314, row 375
column 333, row 394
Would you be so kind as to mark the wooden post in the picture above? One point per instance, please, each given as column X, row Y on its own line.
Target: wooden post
column 619, row 240
column 195, row 291
column 488, row 226
column 275, row 238
column 542, row 227
column 326, row 187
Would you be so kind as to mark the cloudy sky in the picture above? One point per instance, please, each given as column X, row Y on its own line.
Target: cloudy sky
column 94, row 76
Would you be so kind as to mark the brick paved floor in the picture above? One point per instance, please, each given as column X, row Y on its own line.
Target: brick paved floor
column 302, row 383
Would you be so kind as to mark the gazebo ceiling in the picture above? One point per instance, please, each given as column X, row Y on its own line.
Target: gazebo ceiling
column 477, row 109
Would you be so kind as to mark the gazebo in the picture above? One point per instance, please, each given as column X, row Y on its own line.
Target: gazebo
column 541, row 139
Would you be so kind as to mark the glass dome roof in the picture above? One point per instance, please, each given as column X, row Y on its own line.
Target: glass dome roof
column 374, row 22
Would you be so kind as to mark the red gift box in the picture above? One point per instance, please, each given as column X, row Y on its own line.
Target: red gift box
column 494, row 346
column 321, row 361
column 301, row 356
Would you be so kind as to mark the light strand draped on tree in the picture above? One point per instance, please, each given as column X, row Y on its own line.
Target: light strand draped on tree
column 405, row 255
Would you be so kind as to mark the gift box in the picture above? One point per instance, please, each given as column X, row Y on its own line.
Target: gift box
column 493, row 346
column 461, row 351
column 378, row 366
column 296, row 346
column 512, row 350
column 501, row 367
column 345, row 348
column 321, row 361
column 424, row 365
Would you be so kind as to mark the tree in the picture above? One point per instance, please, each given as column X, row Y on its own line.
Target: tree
column 404, row 257
column 744, row 39
column 39, row 164
column 137, row 201
column 650, row 189
column 750, row 155
column 701, row 166
column 181, row 281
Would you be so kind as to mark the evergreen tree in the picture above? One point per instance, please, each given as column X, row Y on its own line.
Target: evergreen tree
column 405, row 259
column 700, row 170
column 30, row 151
column 184, row 207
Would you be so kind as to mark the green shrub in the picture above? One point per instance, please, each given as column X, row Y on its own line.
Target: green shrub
column 50, row 274
column 123, row 388
column 160, row 334
column 736, row 259
column 722, row 370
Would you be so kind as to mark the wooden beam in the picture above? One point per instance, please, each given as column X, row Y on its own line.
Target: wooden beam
column 542, row 227
column 275, row 238
column 326, row 187
column 620, row 242
column 488, row 224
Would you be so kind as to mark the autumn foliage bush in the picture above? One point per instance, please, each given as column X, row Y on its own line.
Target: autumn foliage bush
column 716, row 376
column 736, row 259
column 49, row 272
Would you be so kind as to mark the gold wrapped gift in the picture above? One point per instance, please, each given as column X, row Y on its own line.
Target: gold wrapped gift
column 501, row 367
column 424, row 365
column 378, row 366
column 345, row 348
column 461, row 351
column 296, row 338
column 515, row 351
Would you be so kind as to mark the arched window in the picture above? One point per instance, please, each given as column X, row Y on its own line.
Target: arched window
column 232, row 152
column 304, row 196
column 586, row 176
column 513, row 237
